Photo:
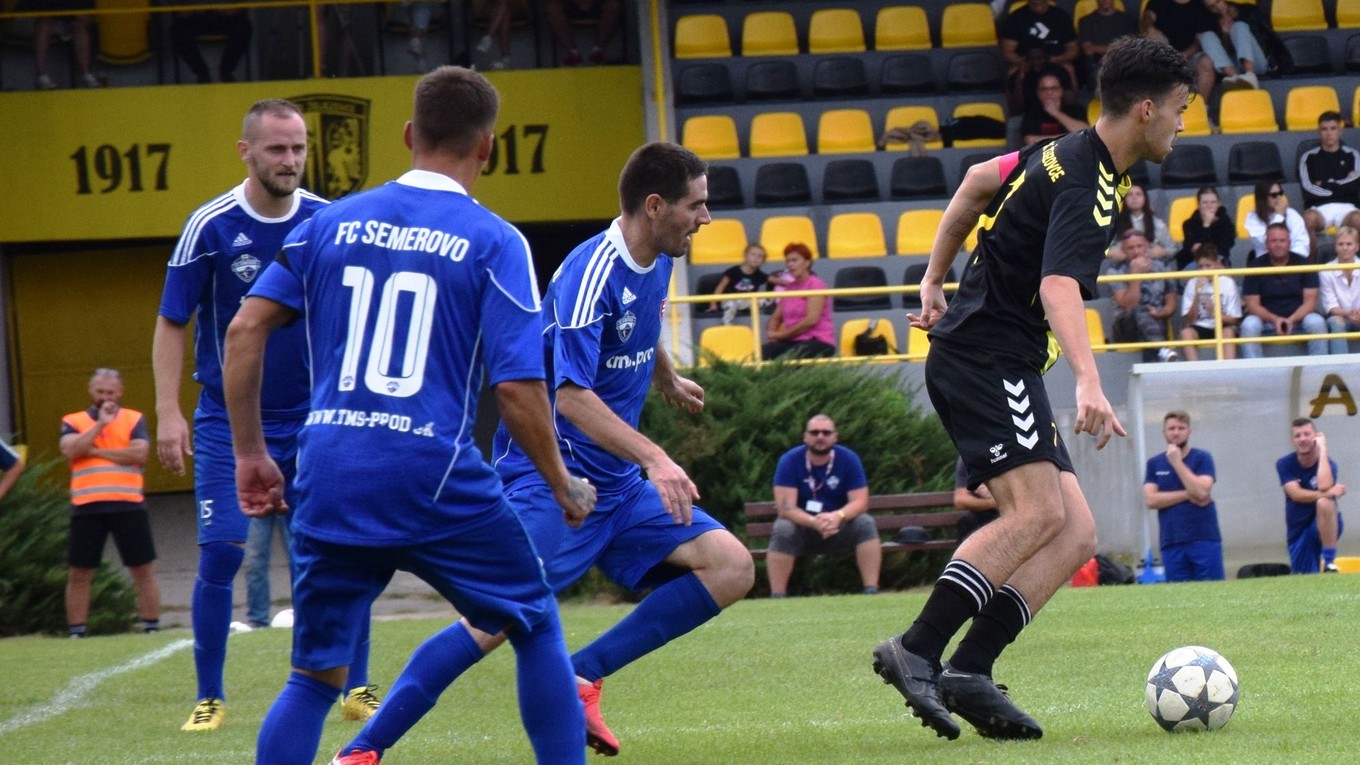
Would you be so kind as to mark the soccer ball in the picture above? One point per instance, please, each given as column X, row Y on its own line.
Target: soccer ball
column 283, row 619
column 1192, row 688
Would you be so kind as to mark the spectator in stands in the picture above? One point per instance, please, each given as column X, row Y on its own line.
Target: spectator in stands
column 605, row 14
column 822, row 498
column 499, row 19
column 1209, row 224
column 1341, row 290
column 187, row 28
column 1177, row 484
column 1233, row 49
column 1312, row 519
column 1272, row 206
column 1096, row 30
column 1137, row 213
column 418, row 15
column 1178, row 23
column 1042, row 26
column 1142, row 307
column 1329, row 175
column 800, row 325
column 1053, row 115
column 1197, row 304
column 747, row 277
column 979, row 503
column 76, row 27
column 1278, row 304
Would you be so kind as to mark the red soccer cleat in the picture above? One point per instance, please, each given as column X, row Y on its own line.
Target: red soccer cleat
column 598, row 735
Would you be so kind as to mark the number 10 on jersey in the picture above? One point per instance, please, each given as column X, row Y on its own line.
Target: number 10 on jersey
column 407, row 343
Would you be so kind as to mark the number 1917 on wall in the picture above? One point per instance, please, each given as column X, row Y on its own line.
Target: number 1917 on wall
column 112, row 167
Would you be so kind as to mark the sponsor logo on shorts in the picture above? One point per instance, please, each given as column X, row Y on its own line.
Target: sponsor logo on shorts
column 998, row 452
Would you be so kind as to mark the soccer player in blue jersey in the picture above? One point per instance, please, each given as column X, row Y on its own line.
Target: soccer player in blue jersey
column 410, row 295
column 602, row 335
column 224, row 246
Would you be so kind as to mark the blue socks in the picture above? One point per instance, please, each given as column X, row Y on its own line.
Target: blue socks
column 432, row 668
column 548, row 702
column 1328, row 556
column 358, row 666
column 670, row 611
column 211, row 613
column 291, row 731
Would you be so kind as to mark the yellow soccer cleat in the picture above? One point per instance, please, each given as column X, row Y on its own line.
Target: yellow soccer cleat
column 360, row 703
column 207, row 715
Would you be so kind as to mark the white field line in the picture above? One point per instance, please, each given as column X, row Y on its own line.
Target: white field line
column 75, row 691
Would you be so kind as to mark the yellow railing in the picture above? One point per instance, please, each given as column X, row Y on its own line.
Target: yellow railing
column 1219, row 342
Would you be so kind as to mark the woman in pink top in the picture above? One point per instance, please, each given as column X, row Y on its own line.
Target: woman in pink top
column 800, row 325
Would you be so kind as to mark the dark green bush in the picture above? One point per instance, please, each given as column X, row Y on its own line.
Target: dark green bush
column 34, row 518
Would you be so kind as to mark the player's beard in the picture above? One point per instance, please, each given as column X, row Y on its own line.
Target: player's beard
column 277, row 190
column 821, row 451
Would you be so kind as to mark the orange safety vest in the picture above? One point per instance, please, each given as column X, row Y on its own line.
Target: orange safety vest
column 95, row 479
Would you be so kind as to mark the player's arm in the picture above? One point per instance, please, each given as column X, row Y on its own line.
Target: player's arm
column 677, row 390
column 259, row 483
column 1197, row 487
column 1295, row 491
column 1326, row 479
column 76, row 445
column 967, row 500
column 167, row 364
column 786, row 504
column 1061, row 298
column 587, row 412
column 525, row 410
column 1158, row 500
column 135, row 453
column 979, row 185
column 1306, row 306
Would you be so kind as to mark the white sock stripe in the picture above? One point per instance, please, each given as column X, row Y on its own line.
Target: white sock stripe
column 970, row 579
column 1020, row 601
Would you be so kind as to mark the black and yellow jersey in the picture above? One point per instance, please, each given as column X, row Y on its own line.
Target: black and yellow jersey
column 1054, row 214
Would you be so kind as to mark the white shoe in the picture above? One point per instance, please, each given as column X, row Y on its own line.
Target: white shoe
column 90, row 81
column 1250, row 79
column 501, row 63
column 484, row 44
column 45, row 82
column 1168, row 354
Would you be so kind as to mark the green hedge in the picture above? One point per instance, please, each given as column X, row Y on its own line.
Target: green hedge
column 34, row 527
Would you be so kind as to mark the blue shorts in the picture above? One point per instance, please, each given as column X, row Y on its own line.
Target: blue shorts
column 628, row 536
column 219, row 516
column 1305, row 550
column 1199, row 561
column 486, row 568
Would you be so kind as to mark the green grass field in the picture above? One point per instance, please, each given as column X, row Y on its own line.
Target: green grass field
column 784, row 682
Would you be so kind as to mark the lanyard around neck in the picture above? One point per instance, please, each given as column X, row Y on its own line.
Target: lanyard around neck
column 813, row 486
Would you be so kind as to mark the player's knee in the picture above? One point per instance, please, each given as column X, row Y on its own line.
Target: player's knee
column 1326, row 508
column 218, row 562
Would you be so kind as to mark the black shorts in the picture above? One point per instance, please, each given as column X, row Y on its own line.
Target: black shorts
column 131, row 530
column 995, row 409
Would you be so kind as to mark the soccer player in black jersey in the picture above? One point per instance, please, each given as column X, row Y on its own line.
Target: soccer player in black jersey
column 1045, row 216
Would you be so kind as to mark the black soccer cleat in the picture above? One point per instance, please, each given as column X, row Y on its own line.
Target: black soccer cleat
column 917, row 679
column 985, row 705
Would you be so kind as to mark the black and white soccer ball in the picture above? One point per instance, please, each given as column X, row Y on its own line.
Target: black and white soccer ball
column 1192, row 688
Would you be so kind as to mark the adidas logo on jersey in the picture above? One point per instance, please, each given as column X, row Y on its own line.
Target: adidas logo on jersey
column 241, row 240
column 628, row 296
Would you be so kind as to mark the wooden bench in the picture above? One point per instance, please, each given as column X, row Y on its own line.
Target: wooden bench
column 891, row 512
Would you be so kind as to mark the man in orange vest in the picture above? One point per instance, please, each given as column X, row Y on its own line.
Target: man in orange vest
column 107, row 446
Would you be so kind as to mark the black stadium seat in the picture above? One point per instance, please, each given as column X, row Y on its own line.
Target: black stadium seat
column 1189, row 165
column 906, row 73
column 1309, row 53
column 917, row 177
column 839, row 77
column 849, row 180
column 782, row 183
column 703, row 83
column 976, row 70
column 769, row 80
column 860, row 276
column 724, row 187
column 1251, row 161
column 913, row 275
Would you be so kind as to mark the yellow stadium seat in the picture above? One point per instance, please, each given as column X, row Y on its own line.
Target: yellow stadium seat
column 1196, row 119
column 1347, row 14
column 1348, row 564
column 835, row 30
column 901, row 27
column 882, row 328
column 1245, row 204
column 855, row 235
column 1297, row 15
column 702, row 36
column 1305, row 102
column 967, row 25
column 769, row 33
column 711, row 136
column 1355, row 105
column 1095, row 330
column 1181, row 209
column 721, row 241
column 780, row 231
column 906, row 116
column 918, row 344
column 916, row 231
column 980, row 109
column 1247, row 111
column 845, row 131
column 778, row 134
column 732, row 342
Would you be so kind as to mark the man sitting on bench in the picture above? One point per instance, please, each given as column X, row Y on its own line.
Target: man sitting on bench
column 822, row 498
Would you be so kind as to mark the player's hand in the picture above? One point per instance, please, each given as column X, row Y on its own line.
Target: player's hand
column 826, row 524
column 932, row 307
column 1337, row 491
column 577, row 499
column 1321, row 441
column 259, row 486
column 684, row 393
column 1173, row 453
column 172, row 442
column 107, row 411
column 676, row 490
column 1284, row 327
column 1095, row 415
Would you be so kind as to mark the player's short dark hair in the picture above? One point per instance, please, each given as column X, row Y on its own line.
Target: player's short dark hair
column 1207, row 251
column 664, row 169
column 1330, row 115
column 454, row 108
column 1177, row 414
column 1300, row 422
column 1137, row 68
column 274, row 107
column 1279, row 225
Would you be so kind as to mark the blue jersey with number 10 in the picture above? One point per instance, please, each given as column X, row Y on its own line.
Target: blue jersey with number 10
column 410, row 294
column 601, row 330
